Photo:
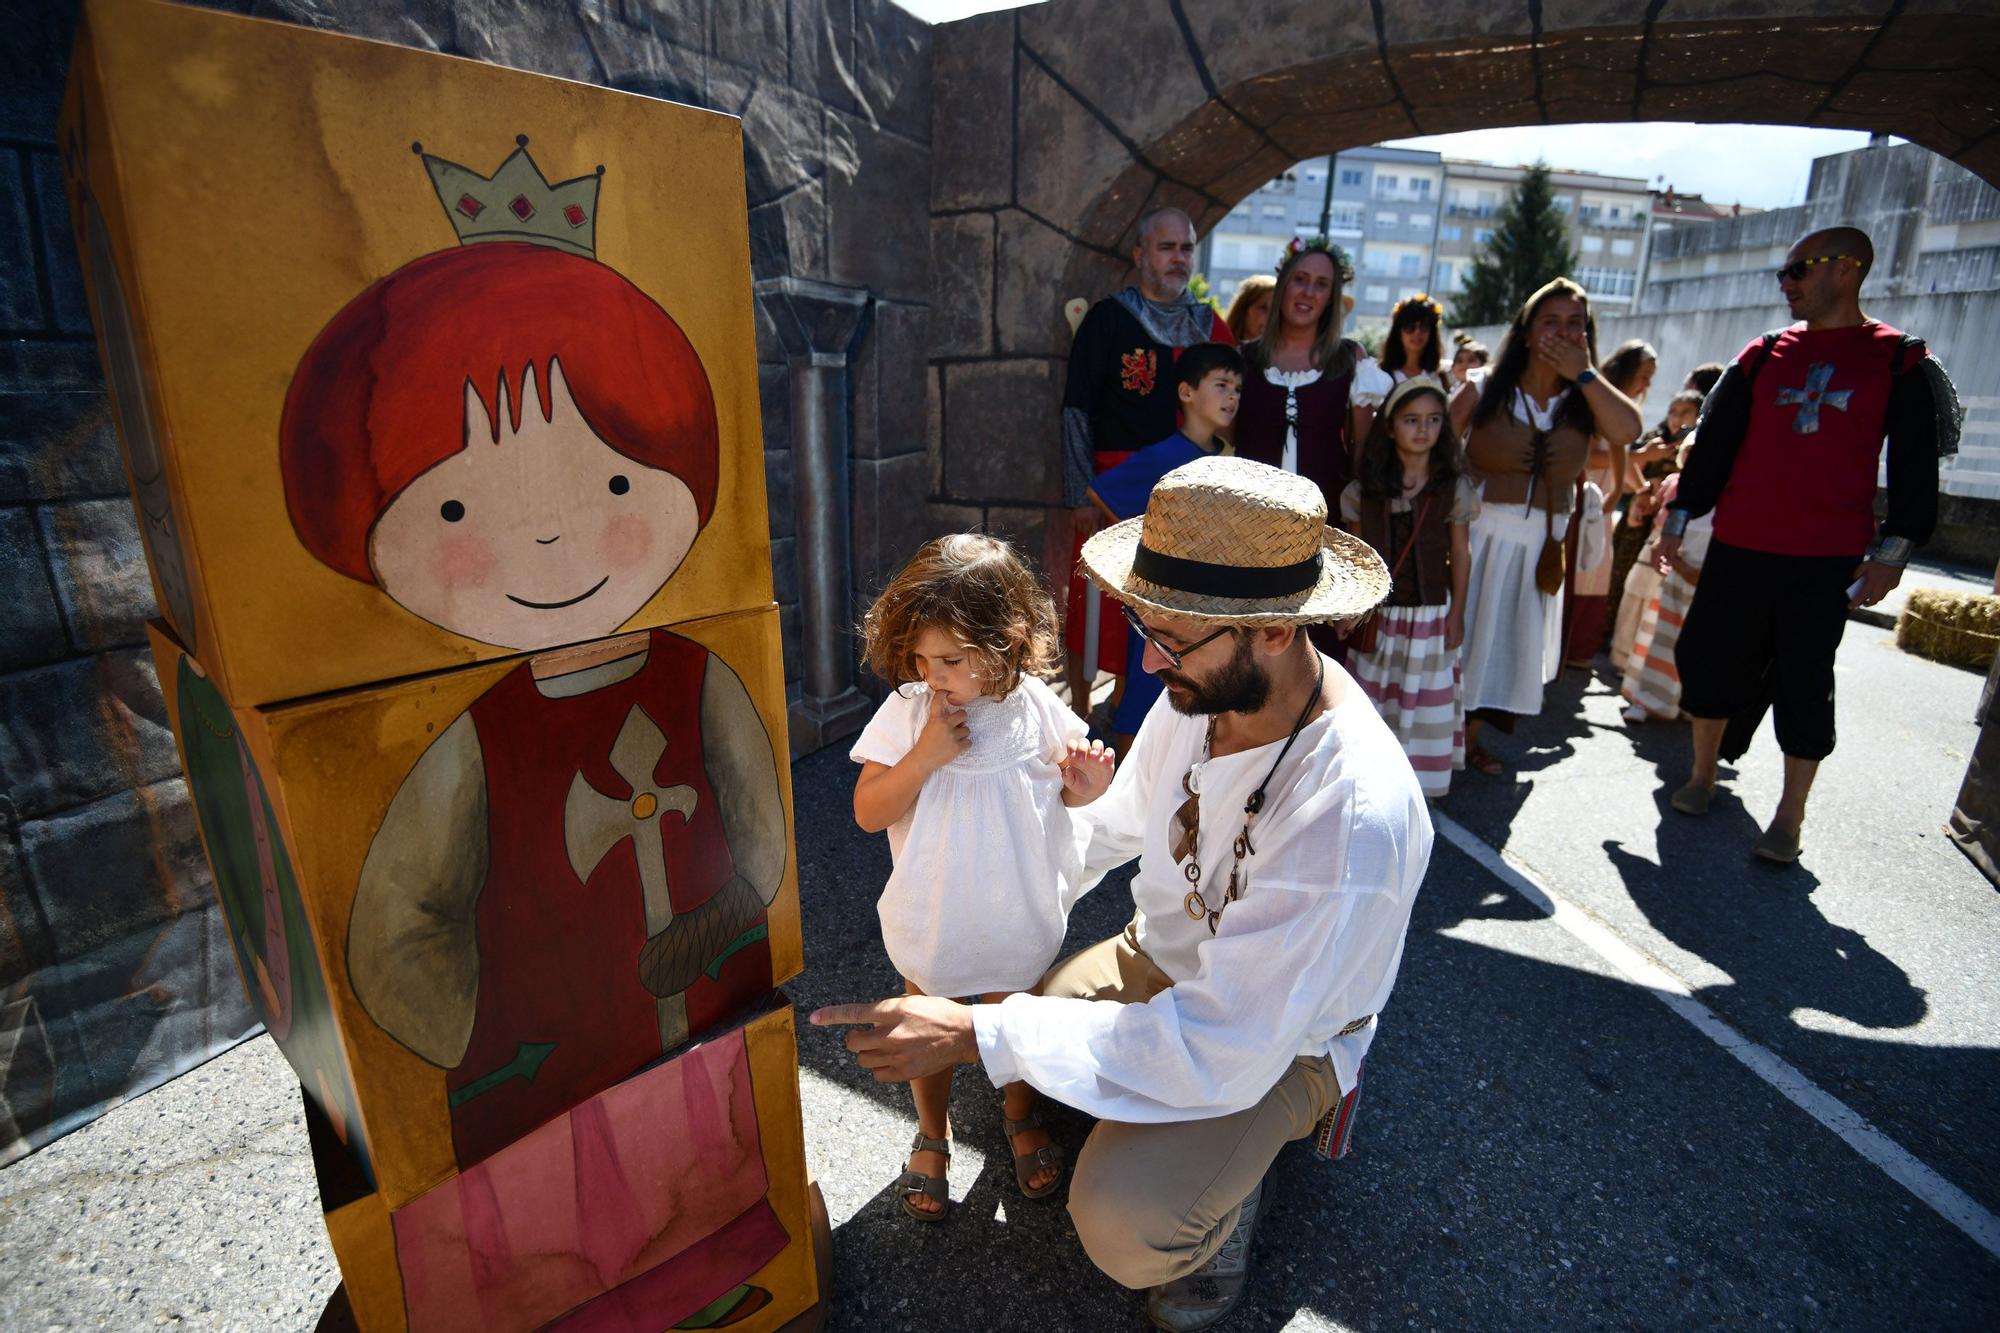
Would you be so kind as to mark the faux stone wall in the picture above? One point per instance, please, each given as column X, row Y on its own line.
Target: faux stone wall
column 1055, row 127
column 114, row 969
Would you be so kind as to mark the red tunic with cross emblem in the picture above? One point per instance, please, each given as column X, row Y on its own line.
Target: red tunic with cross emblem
column 1804, row 478
column 561, row 1013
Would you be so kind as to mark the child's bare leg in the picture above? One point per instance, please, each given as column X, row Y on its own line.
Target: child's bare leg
column 932, row 1094
column 1018, row 1100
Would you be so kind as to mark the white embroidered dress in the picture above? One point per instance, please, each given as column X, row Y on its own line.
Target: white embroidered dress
column 986, row 860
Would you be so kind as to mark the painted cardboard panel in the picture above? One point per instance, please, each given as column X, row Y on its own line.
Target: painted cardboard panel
column 677, row 1196
column 251, row 863
column 98, row 224
column 413, row 409
column 531, row 877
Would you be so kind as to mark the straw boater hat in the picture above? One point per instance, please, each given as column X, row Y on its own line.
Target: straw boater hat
column 1238, row 543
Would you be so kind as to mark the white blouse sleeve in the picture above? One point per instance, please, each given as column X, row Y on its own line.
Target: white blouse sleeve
column 1059, row 723
column 1350, row 506
column 1291, row 948
column 1111, row 830
column 892, row 732
column 1371, row 383
column 1464, row 501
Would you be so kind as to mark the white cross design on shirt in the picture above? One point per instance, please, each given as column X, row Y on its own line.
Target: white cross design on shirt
column 1814, row 396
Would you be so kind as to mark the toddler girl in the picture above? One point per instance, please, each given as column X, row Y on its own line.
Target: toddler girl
column 969, row 764
column 1652, row 679
column 1412, row 503
column 1632, row 571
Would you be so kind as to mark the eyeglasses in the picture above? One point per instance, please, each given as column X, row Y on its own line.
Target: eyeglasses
column 1174, row 658
column 1797, row 269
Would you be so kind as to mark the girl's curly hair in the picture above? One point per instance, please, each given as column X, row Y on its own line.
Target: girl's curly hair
column 981, row 591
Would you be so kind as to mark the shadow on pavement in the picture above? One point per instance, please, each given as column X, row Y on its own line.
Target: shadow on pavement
column 1539, row 1145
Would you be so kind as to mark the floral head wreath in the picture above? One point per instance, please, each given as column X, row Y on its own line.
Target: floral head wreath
column 1300, row 245
column 1412, row 302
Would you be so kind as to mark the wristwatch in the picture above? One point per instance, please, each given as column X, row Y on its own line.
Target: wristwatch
column 1586, row 375
column 1676, row 523
column 1893, row 552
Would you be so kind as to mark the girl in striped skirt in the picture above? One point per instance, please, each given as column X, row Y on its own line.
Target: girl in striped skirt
column 1412, row 503
column 1652, row 680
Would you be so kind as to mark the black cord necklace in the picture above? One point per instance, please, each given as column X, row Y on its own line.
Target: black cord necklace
column 1189, row 843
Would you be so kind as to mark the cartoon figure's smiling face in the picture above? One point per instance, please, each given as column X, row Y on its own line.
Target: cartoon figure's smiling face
column 533, row 537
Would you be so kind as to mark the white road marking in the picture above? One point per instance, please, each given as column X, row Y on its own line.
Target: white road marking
column 1951, row 1203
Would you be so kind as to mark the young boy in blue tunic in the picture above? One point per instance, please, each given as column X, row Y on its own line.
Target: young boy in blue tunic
column 1208, row 378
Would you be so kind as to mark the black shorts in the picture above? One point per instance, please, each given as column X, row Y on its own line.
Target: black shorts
column 1763, row 629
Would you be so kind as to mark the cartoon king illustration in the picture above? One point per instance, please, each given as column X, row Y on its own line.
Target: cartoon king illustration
column 517, row 445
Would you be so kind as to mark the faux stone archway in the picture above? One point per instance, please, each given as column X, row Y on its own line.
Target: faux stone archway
column 1055, row 127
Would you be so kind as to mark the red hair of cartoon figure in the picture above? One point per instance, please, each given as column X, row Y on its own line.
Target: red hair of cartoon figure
column 514, row 443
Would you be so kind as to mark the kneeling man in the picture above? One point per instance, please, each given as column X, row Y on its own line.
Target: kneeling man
column 1281, row 836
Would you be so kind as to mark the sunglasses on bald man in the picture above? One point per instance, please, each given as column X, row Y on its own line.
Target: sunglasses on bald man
column 1797, row 269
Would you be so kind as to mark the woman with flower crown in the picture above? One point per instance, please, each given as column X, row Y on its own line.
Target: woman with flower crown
column 1297, row 410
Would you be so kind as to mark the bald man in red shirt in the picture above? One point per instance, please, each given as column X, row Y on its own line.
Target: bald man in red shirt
column 1787, row 454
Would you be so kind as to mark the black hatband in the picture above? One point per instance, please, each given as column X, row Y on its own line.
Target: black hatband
column 1211, row 580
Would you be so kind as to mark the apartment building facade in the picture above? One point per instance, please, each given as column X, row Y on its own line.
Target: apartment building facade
column 1609, row 226
column 1383, row 211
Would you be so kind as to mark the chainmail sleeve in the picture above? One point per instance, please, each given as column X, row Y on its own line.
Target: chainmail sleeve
column 1076, row 456
column 1090, row 366
column 1947, row 412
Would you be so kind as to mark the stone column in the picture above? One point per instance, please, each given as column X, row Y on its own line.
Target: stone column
column 817, row 323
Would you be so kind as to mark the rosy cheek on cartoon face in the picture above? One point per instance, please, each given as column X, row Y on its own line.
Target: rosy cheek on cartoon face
column 628, row 542
column 464, row 562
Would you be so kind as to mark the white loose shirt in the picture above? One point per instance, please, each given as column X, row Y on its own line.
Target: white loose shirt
column 1311, row 944
column 986, row 858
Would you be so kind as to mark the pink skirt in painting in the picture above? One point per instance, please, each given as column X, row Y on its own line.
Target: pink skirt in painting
column 633, row 1211
column 1416, row 684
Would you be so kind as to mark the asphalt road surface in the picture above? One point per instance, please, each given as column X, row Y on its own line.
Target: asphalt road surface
column 1543, row 1142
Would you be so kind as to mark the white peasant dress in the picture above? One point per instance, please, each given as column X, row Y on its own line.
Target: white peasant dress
column 986, row 860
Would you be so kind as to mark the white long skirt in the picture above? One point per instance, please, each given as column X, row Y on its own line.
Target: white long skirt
column 1513, row 631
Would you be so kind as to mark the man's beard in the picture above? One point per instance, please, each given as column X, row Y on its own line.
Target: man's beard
column 1241, row 686
column 1171, row 286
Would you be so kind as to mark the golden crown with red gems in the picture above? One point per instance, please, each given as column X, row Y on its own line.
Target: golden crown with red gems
column 517, row 203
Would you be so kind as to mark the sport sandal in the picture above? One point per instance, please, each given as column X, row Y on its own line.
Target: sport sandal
column 1205, row 1297
column 1047, row 1157
column 913, row 1185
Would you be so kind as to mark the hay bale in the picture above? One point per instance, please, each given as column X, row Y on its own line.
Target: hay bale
column 1958, row 629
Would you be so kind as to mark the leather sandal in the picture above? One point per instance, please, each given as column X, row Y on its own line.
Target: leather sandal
column 1047, row 1157
column 913, row 1185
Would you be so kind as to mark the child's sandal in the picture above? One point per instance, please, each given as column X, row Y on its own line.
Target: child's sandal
column 1047, row 1157
column 913, row 1184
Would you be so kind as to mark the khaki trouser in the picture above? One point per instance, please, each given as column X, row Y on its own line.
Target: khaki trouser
column 1152, row 1202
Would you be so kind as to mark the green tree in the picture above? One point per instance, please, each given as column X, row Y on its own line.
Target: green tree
column 1530, row 245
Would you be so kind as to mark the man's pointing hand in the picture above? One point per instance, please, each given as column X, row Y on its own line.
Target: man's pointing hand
column 901, row 1039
